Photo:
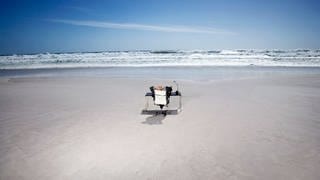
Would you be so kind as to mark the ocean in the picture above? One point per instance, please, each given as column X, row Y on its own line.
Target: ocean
column 195, row 64
column 146, row 58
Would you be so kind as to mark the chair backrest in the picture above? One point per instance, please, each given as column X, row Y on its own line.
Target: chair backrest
column 161, row 94
column 160, row 97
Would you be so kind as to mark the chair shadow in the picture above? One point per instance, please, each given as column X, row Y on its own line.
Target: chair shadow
column 155, row 119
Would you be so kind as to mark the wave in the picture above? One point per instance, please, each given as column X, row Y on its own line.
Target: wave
column 230, row 52
column 146, row 58
column 164, row 52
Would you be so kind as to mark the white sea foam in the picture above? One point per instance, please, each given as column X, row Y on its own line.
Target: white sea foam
column 289, row 58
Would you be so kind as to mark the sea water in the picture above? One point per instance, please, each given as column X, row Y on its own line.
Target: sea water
column 196, row 64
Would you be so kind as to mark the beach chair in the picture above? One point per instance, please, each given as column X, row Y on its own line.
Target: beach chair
column 161, row 97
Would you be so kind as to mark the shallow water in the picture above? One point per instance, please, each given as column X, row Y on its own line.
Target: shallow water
column 177, row 73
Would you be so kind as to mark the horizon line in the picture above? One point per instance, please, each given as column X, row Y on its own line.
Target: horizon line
column 158, row 50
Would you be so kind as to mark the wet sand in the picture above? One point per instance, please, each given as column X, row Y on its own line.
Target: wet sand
column 91, row 128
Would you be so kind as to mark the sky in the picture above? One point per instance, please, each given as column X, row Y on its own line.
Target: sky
column 40, row 26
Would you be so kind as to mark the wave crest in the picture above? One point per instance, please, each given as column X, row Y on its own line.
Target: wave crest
column 299, row 57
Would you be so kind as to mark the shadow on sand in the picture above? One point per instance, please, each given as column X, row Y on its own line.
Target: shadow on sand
column 154, row 119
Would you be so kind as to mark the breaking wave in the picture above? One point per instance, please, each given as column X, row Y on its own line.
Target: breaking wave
column 286, row 58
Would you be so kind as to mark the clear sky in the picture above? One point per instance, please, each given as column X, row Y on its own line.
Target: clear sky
column 34, row 26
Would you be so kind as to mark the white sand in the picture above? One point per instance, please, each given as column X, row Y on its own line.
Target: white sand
column 90, row 128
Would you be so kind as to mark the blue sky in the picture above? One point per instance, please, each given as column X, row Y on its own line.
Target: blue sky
column 35, row 26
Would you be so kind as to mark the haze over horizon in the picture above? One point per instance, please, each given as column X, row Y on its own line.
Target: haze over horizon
column 76, row 26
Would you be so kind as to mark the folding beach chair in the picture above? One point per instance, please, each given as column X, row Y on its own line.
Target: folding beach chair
column 161, row 97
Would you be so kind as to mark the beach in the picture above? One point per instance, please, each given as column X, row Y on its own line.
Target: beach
column 256, row 126
column 160, row 90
